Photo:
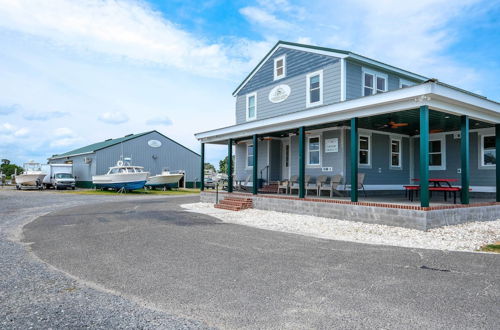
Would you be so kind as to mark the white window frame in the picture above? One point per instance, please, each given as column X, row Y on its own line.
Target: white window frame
column 481, row 151
column 375, row 75
column 276, row 76
column 369, row 136
column 308, row 160
column 247, row 155
column 308, row 85
column 247, row 109
column 441, row 138
column 400, row 153
column 405, row 82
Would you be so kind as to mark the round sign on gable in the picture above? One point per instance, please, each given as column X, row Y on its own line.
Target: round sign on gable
column 279, row 93
column 154, row 143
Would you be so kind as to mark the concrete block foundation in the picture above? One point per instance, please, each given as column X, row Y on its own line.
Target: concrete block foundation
column 400, row 215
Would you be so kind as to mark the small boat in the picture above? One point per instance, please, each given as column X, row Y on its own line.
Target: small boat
column 164, row 179
column 123, row 176
column 32, row 175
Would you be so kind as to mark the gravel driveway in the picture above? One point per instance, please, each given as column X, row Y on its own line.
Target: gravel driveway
column 234, row 276
column 35, row 295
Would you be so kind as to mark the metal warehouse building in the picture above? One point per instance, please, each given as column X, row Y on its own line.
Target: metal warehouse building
column 152, row 150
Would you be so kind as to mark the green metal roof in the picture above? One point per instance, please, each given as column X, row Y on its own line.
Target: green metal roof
column 100, row 145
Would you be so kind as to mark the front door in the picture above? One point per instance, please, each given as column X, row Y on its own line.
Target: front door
column 285, row 170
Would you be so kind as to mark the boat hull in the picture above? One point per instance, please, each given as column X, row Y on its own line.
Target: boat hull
column 122, row 185
column 163, row 180
column 30, row 179
column 127, row 181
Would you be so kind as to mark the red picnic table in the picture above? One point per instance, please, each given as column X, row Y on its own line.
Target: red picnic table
column 436, row 187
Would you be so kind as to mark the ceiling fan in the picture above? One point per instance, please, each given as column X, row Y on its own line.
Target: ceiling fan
column 393, row 124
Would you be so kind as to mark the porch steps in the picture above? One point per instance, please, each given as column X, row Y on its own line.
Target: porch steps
column 269, row 188
column 234, row 203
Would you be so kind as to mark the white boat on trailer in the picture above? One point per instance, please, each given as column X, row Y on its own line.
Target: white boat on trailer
column 164, row 179
column 122, row 177
column 32, row 176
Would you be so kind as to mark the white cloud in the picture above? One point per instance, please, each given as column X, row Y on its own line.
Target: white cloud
column 63, row 131
column 8, row 132
column 165, row 121
column 128, row 29
column 8, row 109
column 264, row 18
column 64, row 137
column 41, row 116
column 113, row 117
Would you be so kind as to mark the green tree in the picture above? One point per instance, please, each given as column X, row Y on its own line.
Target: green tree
column 10, row 169
column 223, row 165
column 209, row 166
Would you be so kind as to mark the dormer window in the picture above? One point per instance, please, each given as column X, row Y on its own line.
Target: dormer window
column 373, row 82
column 279, row 67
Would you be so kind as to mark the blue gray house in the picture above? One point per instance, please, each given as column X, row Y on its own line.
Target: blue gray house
column 313, row 111
column 152, row 150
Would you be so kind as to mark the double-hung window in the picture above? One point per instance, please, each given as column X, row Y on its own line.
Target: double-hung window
column 373, row 82
column 249, row 155
column 488, row 150
column 314, row 88
column 279, row 67
column 313, row 151
column 437, row 154
column 395, row 153
column 364, row 150
column 251, row 106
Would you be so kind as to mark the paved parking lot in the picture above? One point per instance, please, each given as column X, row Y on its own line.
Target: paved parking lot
column 198, row 271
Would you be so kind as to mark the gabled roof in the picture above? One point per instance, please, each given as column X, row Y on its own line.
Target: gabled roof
column 110, row 142
column 331, row 52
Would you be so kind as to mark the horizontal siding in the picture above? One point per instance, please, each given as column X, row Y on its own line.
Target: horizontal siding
column 478, row 176
column 81, row 170
column 380, row 171
column 354, row 76
column 297, row 63
column 241, row 170
column 296, row 101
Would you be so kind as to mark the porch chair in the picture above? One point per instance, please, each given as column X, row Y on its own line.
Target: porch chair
column 295, row 185
column 312, row 186
column 244, row 186
column 320, row 181
column 335, row 182
column 283, row 185
column 361, row 180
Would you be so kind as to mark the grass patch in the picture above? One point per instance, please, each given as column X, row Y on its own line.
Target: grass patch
column 491, row 247
column 134, row 192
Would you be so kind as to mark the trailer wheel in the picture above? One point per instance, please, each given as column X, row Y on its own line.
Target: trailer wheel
column 18, row 187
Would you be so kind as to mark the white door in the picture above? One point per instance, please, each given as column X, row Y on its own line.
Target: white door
column 285, row 169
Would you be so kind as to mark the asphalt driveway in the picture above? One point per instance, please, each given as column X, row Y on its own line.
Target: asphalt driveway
column 232, row 276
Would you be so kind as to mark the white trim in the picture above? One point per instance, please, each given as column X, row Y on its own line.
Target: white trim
column 69, row 156
column 411, row 142
column 248, row 144
column 276, row 77
column 442, row 99
column 400, row 153
column 375, row 75
column 308, row 86
column 342, row 80
column 405, row 82
column 320, row 140
column 286, row 142
column 480, row 139
column 369, row 136
column 254, row 94
column 442, row 138
column 332, row 54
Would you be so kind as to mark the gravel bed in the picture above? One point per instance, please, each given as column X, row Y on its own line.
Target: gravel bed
column 464, row 237
column 35, row 295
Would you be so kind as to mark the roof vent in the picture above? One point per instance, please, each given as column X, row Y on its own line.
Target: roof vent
column 108, row 140
column 129, row 135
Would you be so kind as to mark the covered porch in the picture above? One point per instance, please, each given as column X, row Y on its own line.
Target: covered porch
column 421, row 135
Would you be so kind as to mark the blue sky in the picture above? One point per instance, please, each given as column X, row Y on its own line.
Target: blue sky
column 77, row 72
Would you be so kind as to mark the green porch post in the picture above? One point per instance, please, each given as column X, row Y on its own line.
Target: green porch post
column 202, row 172
column 464, row 157
column 229, row 166
column 302, row 161
column 497, row 147
column 255, row 186
column 354, row 159
column 424, row 156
